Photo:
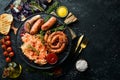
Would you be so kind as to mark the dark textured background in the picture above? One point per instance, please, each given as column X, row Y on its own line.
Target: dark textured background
column 99, row 20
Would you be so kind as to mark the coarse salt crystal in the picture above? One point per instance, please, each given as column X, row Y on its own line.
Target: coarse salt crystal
column 81, row 65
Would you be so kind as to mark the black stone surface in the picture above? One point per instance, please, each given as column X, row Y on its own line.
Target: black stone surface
column 99, row 20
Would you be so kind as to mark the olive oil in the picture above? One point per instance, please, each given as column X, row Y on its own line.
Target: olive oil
column 12, row 70
column 16, row 72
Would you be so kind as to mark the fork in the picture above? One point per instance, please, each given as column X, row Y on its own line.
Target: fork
column 79, row 42
column 83, row 44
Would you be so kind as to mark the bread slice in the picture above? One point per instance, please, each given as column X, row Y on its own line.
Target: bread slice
column 5, row 23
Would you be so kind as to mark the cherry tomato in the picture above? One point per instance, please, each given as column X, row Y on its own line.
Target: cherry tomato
column 51, row 58
column 8, row 43
column 8, row 59
column 5, row 53
column 4, row 46
column 9, row 49
column 7, row 37
column 2, row 41
column 11, row 54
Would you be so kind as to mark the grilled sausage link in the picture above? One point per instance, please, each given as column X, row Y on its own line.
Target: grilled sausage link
column 49, row 23
column 56, row 42
column 36, row 26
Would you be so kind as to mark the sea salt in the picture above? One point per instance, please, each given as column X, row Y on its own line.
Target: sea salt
column 81, row 65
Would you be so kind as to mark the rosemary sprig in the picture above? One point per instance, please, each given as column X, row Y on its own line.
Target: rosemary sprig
column 29, row 46
column 52, row 7
column 47, row 18
column 42, row 32
column 35, row 5
column 60, row 28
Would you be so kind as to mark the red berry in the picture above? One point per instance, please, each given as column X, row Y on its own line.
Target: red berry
column 2, row 41
column 8, row 43
column 51, row 58
column 7, row 37
column 8, row 59
column 5, row 53
column 11, row 54
column 4, row 46
column 9, row 49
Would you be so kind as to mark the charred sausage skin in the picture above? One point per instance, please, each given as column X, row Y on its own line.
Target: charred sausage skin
column 36, row 26
column 56, row 41
column 49, row 23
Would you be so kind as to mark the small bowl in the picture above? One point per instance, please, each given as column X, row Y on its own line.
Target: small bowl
column 62, row 11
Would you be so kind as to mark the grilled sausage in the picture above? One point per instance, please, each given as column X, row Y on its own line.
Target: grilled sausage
column 56, row 41
column 49, row 24
column 30, row 22
column 36, row 26
column 47, row 35
column 59, row 50
column 33, row 19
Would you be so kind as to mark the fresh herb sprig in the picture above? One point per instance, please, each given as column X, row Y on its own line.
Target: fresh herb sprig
column 60, row 28
column 35, row 5
column 29, row 46
column 47, row 18
column 52, row 7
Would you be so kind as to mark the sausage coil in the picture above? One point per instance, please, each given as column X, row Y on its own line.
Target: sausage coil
column 56, row 41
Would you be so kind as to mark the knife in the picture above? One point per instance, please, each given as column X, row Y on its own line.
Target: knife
column 73, row 34
column 79, row 41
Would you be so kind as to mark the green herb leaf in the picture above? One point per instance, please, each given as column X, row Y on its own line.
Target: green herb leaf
column 52, row 7
column 60, row 28
column 47, row 18
column 29, row 46
column 35, row 5
column 42, row 32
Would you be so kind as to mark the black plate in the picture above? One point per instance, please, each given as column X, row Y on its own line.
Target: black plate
column 62, row 56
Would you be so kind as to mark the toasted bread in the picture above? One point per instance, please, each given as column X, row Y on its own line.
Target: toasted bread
column 5, row 23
